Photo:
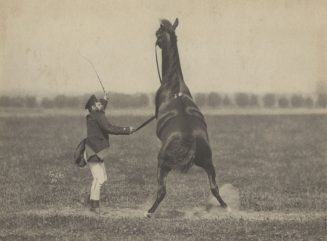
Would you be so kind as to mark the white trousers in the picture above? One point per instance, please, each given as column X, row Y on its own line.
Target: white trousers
column 99, row 174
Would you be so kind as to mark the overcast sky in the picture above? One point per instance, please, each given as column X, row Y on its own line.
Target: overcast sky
column 225, row 46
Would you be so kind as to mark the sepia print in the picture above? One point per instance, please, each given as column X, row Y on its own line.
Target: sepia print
column 163, row 120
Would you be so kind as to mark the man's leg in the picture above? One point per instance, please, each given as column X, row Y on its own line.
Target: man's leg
column 99, row 177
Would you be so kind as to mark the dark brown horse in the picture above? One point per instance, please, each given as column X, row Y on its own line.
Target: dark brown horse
column 181, row 126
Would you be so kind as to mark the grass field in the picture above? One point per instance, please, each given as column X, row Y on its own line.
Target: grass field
column 276, row 165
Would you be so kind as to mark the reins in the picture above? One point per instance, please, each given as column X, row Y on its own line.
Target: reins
column 157, row 63
column 152, row 117
column 145, row 123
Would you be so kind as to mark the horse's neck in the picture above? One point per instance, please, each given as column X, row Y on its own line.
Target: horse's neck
column 172, row 71
column 171, row 67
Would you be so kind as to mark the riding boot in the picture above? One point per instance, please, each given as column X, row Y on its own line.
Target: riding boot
column 87, row 201
column 95, row 206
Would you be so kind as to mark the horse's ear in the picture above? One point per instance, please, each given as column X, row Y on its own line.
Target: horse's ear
column 175, row 24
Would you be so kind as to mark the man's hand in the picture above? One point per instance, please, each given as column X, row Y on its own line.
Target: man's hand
column 131, row 130
column 106, row 96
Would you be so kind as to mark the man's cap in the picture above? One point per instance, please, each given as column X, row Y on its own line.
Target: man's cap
column 91, row 101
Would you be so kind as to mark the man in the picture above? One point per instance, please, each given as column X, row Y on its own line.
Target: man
column 97, row 146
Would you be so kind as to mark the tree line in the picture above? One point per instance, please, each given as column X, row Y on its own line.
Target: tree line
column 210, row 100
column 269, row 100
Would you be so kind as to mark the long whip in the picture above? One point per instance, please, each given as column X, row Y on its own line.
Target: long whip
column 104, row 91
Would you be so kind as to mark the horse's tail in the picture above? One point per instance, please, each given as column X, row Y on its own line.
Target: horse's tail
column 180, row 153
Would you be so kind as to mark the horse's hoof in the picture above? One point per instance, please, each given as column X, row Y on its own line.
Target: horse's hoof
column 148, row 215
column 224, row 205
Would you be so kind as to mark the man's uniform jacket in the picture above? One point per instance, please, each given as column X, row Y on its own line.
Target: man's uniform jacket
column 97, row 141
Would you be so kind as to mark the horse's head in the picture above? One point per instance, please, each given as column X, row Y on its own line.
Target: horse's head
column 166, row 33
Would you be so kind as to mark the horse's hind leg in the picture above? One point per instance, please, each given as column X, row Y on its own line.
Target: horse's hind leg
column 210, row 170
column 162, row 176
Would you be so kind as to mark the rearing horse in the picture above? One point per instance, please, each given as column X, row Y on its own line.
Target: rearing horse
column 181, row 127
